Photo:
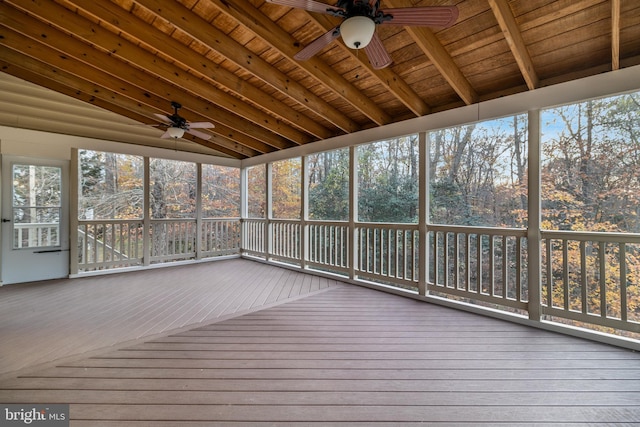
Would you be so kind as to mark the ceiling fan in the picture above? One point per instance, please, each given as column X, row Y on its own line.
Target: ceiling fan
column 360, row 20
column 178, row 125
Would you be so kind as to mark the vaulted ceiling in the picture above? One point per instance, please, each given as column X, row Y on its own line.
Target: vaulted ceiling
column 232, row 63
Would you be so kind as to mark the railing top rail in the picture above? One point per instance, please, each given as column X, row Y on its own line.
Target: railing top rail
column 139, row 220
column 109, row 221
column 598, row 236
column 230, row 218
column 173, row 219
column 492, row 231
column 285, row 220
column 327, row 222
column 35, row 224
column 398, row 225
column 36, row 207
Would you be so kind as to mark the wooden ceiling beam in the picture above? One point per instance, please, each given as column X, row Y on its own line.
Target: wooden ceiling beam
column 388, row 78
column 216, row 40
column 151, row 67
column 513, row 36
column 615, row 34
column 253, row 19
column 90, row 79
column 438, row 55
column 201, row 66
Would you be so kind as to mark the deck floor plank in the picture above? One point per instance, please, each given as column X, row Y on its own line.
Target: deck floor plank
column 284, row 348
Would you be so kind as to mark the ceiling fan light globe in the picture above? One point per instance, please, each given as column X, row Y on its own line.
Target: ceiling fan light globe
column 357, row 31
column 175, row 132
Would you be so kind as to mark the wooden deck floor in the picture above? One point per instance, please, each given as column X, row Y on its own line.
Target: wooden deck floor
column 44, row 321
column 343, row 356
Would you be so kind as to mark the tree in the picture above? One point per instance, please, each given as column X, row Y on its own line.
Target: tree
column 329, row 185
column 286, row 183
column 475, row 172
column 388, row 181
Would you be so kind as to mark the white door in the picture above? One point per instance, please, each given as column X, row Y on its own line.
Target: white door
column 35, row 218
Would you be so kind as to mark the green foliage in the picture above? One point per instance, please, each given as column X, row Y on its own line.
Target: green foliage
column 388, row 181
column 477, row 174
column 329, row 185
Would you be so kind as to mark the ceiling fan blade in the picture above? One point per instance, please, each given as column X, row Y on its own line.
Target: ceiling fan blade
column 316, row 46
column 201, row 125
column 428, row 16
column 199, row 134
column 164, row 118
column 310, row 5
column 378, row 55
column 165, row 135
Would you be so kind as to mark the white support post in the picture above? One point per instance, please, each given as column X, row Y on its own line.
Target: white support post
column 304, row 213
column 73, row 213
column 353, row 211
column 269, row 211
column 423, row 211
column 533, row 231
column 146, row 220
column 199, row 211
column 244, row 206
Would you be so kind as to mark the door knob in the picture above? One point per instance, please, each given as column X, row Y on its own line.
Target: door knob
column 6, row 220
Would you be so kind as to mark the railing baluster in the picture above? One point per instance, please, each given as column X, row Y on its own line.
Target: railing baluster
column 583, row 277
column 505, row 259
column 492, row 265
column 565, row 272
column 479, row 282
column 603, row 279
column 468, row 261
column 549, row 273
column 518, row 265
column 622, row 251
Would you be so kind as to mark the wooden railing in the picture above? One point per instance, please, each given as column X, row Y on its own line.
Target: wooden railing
column 35, row 235
column 589, row 280
column 173, row 240
column 388, row 253
column 254, row 237
column 109, row 244
column 592, row 278
column 285, row 241
column 220, row 236
column 328, row 246
column 479, row 264
column 112, row 244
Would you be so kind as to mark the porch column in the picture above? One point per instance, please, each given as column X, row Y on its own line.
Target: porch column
column 304, row 213
column 353, row 212
column 73, row 213
column 244, row 206
column 146, row 220
column 423, row 212
column 533, row 231
column 199, row 211
column 269, row 211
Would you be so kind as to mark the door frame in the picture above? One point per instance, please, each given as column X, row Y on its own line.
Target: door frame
column 57, row 255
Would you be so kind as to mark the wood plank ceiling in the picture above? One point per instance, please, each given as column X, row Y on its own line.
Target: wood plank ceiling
column 231, row 62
